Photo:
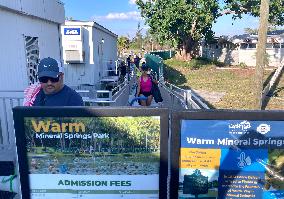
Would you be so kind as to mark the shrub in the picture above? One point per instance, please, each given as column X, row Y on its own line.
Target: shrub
column 243, row 65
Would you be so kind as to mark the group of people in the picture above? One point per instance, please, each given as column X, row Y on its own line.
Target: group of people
column 51, row 90
column 146, row 83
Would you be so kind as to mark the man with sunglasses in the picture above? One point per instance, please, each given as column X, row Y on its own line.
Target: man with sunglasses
column 52, row 91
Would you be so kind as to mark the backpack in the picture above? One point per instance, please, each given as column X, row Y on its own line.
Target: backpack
column 156, row 92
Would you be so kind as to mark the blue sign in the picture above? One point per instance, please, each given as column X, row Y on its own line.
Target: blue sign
column 227, row 133
column 241, row 158
column 72, row 31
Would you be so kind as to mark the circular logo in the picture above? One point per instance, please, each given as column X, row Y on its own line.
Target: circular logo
column 263, row 129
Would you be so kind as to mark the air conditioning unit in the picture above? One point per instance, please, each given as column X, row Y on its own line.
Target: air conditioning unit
column 74, row 56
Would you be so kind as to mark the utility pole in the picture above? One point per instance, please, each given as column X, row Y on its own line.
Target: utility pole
column 261, row 59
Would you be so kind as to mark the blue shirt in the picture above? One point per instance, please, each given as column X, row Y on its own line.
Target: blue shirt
column 65, row 97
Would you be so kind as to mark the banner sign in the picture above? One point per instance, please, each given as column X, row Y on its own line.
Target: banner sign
column 89, row 153
column 228, row 155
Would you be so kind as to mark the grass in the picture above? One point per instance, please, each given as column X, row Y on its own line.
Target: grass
column 237, row 84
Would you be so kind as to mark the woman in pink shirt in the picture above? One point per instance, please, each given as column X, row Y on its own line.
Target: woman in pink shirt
column 145, row 87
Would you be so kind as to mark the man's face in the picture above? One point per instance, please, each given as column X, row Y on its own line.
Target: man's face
column 51, row 85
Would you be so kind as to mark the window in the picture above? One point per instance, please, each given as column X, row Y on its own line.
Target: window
column 244, row 45
column 269, row 45
column 251, row 45
column 282, row 45
column 32, row 57
column 276, row 45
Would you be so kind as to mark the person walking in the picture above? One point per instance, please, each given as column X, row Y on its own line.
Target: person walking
column 137, row 61
column 144, row 87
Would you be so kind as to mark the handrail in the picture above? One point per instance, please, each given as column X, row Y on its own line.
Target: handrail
column 178, row 96
column 188, row 98
column 271, row 83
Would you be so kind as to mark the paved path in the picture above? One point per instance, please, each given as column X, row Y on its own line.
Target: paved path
column 210, row 96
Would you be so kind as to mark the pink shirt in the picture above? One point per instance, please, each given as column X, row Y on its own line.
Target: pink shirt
column 145, row 86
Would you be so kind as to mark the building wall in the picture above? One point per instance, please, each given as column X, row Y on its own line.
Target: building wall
column 52, row 10
column 14, row 27
column 224, row 53
column 99, row 47
column 103, row 51
column 242, row 55
column 75, row 73
column 248, row 56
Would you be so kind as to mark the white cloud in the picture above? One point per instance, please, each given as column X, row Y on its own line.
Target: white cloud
column 132, row 2
column 134, row 15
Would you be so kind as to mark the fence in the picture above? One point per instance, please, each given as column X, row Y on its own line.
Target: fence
column 177, row 98
column 164, row 54
column 155, row 60
column 8, row 100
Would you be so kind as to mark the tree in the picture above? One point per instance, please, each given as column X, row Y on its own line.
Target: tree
column 123, row 43
column 185, row 22
column 269, row 11
column 252, row 7
column 138, row 39
column 261, row 51
column 182, row 22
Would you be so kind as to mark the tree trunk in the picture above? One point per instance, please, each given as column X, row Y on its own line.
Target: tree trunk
column 188, row 49
column 261, row 52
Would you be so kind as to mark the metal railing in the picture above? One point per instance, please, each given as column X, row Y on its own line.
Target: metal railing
column 122, row 92
column 181, row 98
column 8, row 100
column 271, row 83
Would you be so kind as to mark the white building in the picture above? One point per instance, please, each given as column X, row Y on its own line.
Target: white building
column 87, row 49
column 30, row 31
column 241, row 49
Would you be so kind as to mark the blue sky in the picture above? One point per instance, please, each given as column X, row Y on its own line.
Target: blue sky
column 122, row 17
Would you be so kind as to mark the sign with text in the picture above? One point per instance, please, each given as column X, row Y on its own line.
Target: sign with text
column 91, row 153
column 72, row 31
column 228, row 154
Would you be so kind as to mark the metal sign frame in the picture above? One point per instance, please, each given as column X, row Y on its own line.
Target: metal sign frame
column 20, row 113
column 178, row 117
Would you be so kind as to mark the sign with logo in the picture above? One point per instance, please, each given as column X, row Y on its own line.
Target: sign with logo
column 92, row 153
column 72, row 31
column 228, row 154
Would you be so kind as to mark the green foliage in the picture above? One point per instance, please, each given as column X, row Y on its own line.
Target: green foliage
column 252, row 7
column 137, row 41
column 194, row 64
column 179, row 21
column 123, row 43
column 124, row 133
column 184, row 22
column 243, row 65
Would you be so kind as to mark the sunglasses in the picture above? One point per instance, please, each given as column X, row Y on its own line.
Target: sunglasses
column 45, row 79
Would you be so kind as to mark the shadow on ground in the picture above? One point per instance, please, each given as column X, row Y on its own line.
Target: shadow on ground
column 173, row 76
column 273, row 92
